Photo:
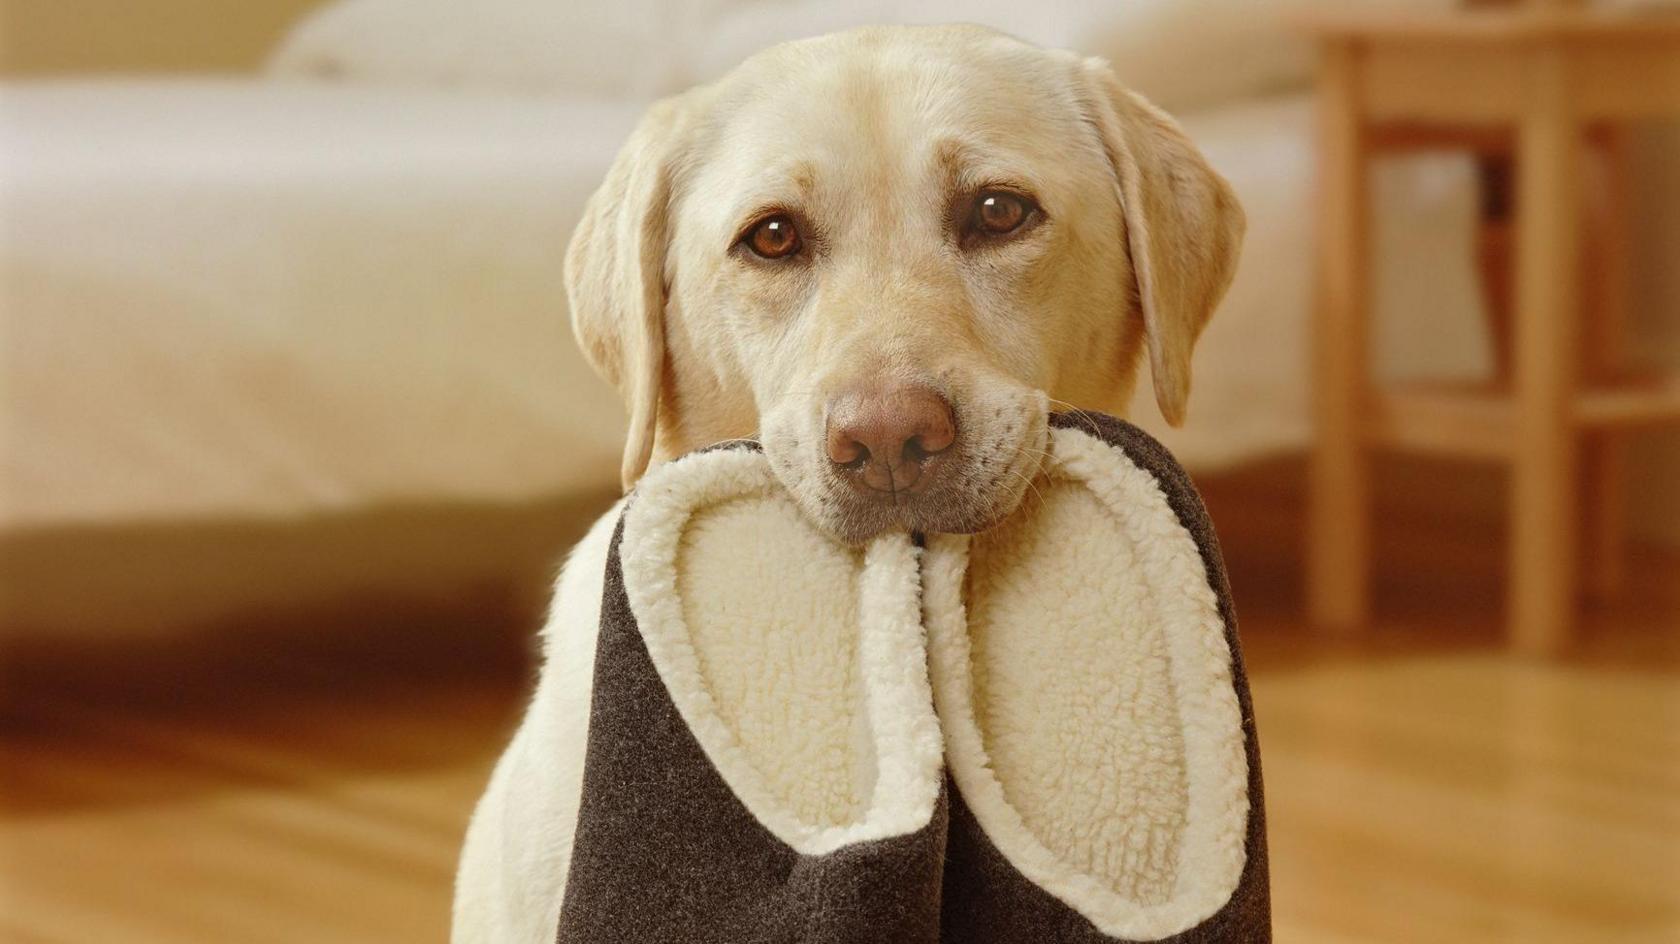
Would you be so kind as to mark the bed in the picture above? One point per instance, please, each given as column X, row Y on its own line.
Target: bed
column 302, row 296
column 271, row 299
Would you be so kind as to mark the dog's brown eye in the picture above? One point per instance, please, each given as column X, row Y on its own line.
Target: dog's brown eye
column 998, row 212
column 774, row 237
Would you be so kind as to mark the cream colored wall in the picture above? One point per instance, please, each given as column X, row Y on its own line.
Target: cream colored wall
column 54, row 37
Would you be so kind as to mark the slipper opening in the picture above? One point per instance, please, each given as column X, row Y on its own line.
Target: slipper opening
column 784, row 651
column 772, row 609
column 1081, row 667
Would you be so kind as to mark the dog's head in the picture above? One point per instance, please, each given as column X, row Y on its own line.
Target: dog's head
column 886, row 251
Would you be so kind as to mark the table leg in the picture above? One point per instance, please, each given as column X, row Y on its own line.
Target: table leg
column 1543, row 511
column 1604, row 458
column 1338, row 537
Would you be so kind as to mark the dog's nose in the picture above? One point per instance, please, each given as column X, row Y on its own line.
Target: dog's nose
column 889, row 439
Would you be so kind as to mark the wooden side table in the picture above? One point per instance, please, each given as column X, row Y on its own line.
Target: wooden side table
column 1537, row 81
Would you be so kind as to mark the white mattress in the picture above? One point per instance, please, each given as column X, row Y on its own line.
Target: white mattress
column 260, row 299
column 253, row 299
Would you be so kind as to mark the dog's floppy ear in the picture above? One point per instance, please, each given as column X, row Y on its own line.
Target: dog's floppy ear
column 615, row 273
column 1184, row 228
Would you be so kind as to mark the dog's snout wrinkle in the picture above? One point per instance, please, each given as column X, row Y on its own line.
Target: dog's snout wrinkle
column 889, row 440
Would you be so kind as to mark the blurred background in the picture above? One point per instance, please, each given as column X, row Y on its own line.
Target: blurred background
column 293, row 436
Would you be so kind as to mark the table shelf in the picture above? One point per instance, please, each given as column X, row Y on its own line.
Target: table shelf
column 1478, row 421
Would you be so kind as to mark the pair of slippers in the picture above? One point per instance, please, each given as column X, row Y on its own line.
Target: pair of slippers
column 1041, row 733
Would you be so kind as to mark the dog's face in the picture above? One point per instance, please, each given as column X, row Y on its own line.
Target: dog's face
column 886, row 252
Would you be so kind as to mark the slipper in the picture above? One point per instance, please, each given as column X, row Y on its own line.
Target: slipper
column 763, row 763
column 1098, row 729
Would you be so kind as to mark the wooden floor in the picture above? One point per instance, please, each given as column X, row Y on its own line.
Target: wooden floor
column 1421, row 786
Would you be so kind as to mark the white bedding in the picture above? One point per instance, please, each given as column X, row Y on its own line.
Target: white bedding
column 236, row 299
column 257, row 299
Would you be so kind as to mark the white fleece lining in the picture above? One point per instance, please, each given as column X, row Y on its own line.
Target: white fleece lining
column 1181, row 868
column 783, row 638
column 884, row 782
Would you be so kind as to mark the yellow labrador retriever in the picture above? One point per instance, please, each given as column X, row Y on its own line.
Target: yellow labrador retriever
column 884, row 253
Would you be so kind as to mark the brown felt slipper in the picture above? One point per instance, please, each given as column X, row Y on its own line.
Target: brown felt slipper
column 1097, row 721
column 763, row 760
column 763, row 763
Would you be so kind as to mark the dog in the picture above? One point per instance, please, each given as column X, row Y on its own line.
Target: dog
column 885, row 254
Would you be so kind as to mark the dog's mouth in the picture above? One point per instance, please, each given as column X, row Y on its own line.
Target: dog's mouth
column 973, row 494
column 972, row 486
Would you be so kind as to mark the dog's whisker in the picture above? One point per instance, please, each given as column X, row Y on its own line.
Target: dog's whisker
column 1077, row 413
column 1038, row 496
